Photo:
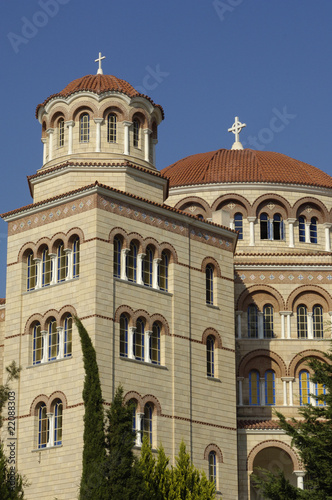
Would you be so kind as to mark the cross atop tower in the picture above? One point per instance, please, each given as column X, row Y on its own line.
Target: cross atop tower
column 99, row 59
column 236, row 129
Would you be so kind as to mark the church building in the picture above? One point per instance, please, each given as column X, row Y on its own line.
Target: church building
column 204, row 288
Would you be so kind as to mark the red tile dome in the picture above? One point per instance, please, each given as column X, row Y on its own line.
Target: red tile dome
column 247, row 165
column 98, row 84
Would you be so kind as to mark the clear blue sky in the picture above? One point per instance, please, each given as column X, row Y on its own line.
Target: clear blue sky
column 211, row 60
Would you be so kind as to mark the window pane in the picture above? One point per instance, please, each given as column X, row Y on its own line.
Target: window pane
column 238, row 224
column 37, row 345
column 31, row 272
column 268, row 320
column 76, row 258
column 269, row 388
column 147, row 424
column 155, row 344
column 313, row 230
column 318, row 322
column 210, row 356
column 123, row 336
column 277, row 221
column 58, row 423
column 139, row 340
column 212, row 467
column 136, row 133
column 304, row 388
column 61, row 133
column 84, row 128
column 163, row 272
column 42, row 427
column 147, row 267
column 62, row 263
column 302, row 229
column 68, row 336
column 264, row 226
column 252, row 322
column 254, row 388
column 209, row 283
column 131, row 262
column 53, row 340
column 302, row 322
column 111, row 128
column 117, row 257
column 46, row 268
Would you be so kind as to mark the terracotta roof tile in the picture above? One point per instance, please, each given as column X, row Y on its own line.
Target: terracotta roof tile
column 247, row 165
column 99, row 84
column 2, row 302
column 259, row 424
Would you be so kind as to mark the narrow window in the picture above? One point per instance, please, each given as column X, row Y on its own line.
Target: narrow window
column 133, row 405
column 123, row 336
column 117, row 257
column 238, row 225
column 136, row 133
column 62, row 263
column 68, row 329
column 304, row 388
column 46, row 268
column 76, row 258
column 111, row 127
column 42, row 426
column 268, row 321
column 84, row 127
column 264, row 225
column 58, row 423
column 302, row 229
column 252, row 322
column 313, row 230
column 302, row 322
column 213, row 467
column 269, row 387
column 278, row 227
column 155, row 344
column 147, row 424
column 139, row 340
column 37, row 344
column 31, row 272
column 254, row 398
column 53, row 340
column 147, row 267
column 210, row 356
column 61, row 128
column 209, row 283
column 320, row 390
column 317, row 314
column 163, row 272
column 131, row 262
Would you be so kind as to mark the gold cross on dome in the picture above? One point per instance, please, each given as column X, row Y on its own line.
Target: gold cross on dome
column 99, row 59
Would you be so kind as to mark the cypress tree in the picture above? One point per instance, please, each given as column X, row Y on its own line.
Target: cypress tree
column 93, row 484
column 156, row 475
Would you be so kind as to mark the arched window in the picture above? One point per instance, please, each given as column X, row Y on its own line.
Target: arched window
column 131, row 262
column 62, row 263
column 302, row 229
column 117, row 245
column 278, row 227
column 53, row 340
column 58, row 422
column 268, row 321
column 252, row 321
column 76, row 258
column 304, row 387
column 37, row 344
column 264, row 225
column 269, row 387
column 84, row 127
column 320, row 390
column 139, row 340
column 254, row 398
column 163, row 271
column 238, row 224
column 111, row 127
column 147, row 267
column 133, row 405
column 302, row 322
column 209, row 270
column 46, row 268
column 213, row 467
column 42, row 426
column 155, row 344
column 147, row 423
column 68, row 330
column 317, row 315
column 61, row 129
column 135, row 133
column 313, row 230
column 123, row 336
column 210, row 356
column 31, row 272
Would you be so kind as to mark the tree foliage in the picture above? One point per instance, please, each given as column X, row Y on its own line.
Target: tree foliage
column 92, row 481
column 312, row 437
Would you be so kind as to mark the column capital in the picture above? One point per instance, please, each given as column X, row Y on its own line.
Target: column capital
column 126, row 123
column 98, row 120
column 291, row 220
column 238, row 313
column 125, row 250
column 285, row 313
column 147, row 131
column 50, row 131
column 251, row 219
column 327, row 225
column 44, row 140
column 299, row 473
column 70, row 123
column 132, row 329
column 330, row 313
column 240, row 379
column 288, row 379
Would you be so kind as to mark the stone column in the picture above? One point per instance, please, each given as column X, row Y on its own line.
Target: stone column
column 139, row 428
column 123, row 263
column 140, row 258
column 252, row 221
column 240, row 392
column 299, row 478
column 231, row 224
column 70, row 125
column 291, row 232
column 61, row 351
column 327, row 227
column 45, row 346
column 50, row 131
column 284, row 382
column 307, row 232
column 330, row 313
column 239, row 323
column 147, row 340
column 155, row 268
column 38, row 273
column 50, row 441
column 126, row 148
column 289, row 314
column 44, row 141
column 260, row 325
column 282, row 314
column 69, row 263
column 147, row 133
column 131, row 331
column 291, row 380
column 310, row 325
column 98, row 122
column 154, row 143
column 54, row 267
